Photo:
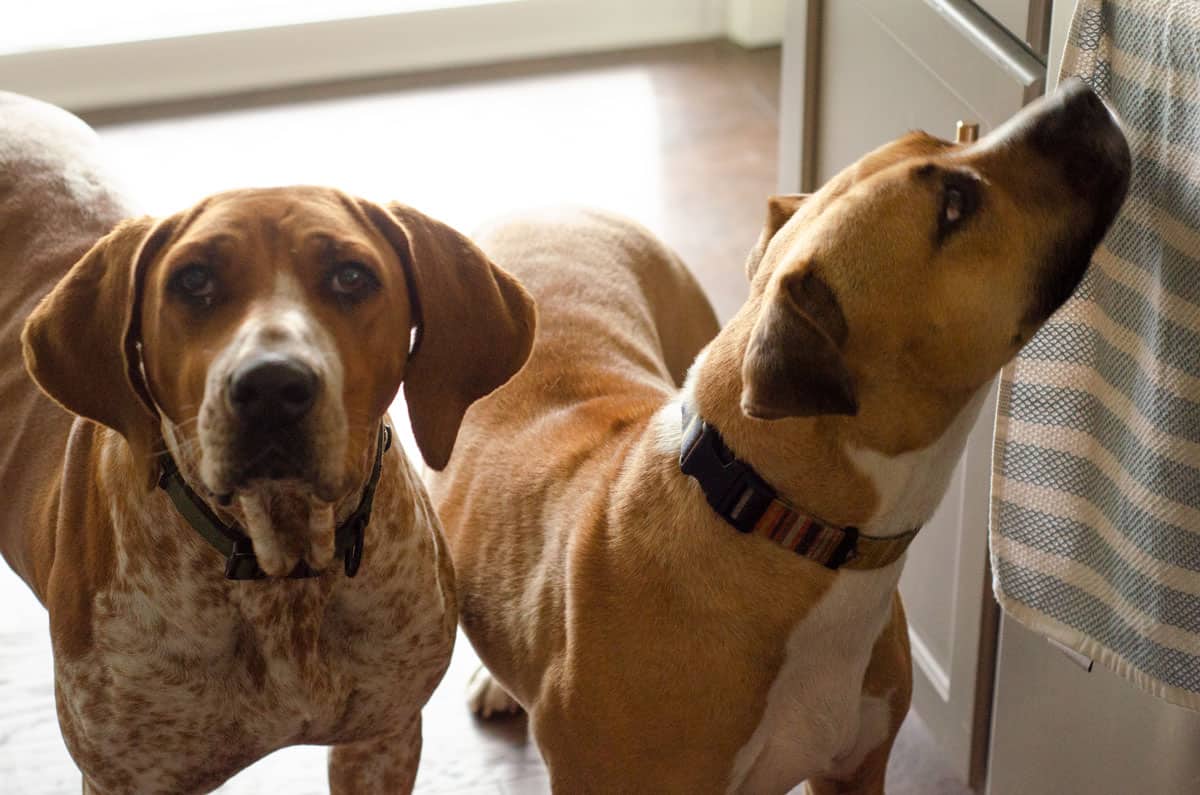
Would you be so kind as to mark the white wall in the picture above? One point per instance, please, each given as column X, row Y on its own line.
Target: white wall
column 755, row 23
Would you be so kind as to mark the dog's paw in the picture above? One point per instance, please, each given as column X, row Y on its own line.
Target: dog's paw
column 486, row 698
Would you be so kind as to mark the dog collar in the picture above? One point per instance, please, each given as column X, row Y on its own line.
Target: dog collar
column 232, row 542
column 742, row 498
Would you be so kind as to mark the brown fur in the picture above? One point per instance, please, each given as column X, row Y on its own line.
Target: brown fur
column 170, row 678
column 643, row 634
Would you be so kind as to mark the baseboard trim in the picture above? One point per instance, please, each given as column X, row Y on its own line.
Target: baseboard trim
column 926, row 664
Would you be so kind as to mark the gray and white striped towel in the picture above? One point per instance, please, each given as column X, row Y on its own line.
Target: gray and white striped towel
column 1095, row 527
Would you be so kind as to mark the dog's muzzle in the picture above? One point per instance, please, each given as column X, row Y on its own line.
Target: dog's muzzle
column 1074, row 128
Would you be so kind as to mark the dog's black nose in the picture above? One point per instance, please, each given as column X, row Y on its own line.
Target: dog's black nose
column 272, row 390
column 1074, row 128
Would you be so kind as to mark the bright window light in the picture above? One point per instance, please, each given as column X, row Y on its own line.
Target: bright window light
column 52, row 25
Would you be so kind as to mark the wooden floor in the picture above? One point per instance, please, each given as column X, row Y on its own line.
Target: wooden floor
column 683, row 139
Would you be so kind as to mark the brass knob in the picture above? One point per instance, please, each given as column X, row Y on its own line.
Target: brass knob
column 965, row 133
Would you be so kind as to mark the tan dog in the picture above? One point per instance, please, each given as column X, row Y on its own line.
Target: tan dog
column 259, row 338
column 656, row 648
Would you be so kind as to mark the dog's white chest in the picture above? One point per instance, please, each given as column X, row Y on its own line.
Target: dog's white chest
column 816, row 718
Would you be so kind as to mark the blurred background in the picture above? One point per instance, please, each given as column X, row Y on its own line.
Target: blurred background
column 685, row 115
column 664, row 109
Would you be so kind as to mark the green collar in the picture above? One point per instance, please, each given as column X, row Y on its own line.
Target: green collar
column 232, row 542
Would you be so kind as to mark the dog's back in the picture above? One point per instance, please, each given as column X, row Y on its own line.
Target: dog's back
column 620, row 319
column 55, row 202
column 586, row 267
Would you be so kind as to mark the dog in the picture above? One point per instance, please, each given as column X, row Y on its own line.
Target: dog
column 687, row 577
column 233, row 558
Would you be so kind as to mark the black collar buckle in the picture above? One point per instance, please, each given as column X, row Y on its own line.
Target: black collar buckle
column 733, row 489
column 241, row 563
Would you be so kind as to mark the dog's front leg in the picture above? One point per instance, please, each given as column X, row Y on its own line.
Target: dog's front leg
column 868, row 779
column 886, row 699
column 91, row 789
column 383, row 764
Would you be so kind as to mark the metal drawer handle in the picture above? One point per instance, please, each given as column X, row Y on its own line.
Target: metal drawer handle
column 992, row 38
column 1082, row 660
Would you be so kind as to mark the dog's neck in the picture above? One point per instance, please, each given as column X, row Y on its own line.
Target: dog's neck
column 883, row 470
column 290, row 522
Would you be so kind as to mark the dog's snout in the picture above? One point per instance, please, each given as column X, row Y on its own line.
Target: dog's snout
column 1074, row 128
column 272, row 390
column 1069, row 113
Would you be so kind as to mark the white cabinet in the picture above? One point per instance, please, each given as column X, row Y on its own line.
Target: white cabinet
column 1062, row 730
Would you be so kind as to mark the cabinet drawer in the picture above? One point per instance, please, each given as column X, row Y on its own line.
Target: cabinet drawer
column 1012, row 14
column 956, row 40
column 1028, row 20
column 890, row 66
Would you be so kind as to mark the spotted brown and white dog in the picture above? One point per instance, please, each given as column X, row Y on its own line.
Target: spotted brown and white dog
column 242, row 354
column 690, row 583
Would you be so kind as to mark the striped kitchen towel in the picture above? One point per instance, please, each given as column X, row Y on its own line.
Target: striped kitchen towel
column 1095, row 526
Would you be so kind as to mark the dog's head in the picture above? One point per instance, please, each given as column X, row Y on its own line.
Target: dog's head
column 263, row 334
column 913, row 276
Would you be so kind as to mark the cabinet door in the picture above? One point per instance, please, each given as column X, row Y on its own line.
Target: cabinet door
column 872, row 70
column 1060, row 729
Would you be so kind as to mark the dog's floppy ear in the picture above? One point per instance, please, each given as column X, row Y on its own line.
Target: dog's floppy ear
column 794, row 366
column 80, row 341
column 475, row 325
column 779, row 210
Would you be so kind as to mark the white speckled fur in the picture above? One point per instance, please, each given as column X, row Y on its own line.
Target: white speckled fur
column 192, row 678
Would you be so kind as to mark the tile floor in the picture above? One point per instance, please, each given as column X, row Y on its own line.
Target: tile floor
column 681, row 138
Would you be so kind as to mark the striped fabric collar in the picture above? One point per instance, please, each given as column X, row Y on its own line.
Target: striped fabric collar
column 743, row 499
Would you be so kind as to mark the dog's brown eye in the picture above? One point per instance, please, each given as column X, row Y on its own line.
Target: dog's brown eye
column 196, row 283
column 960, row 198
column 351, row 280
column 953, row 210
